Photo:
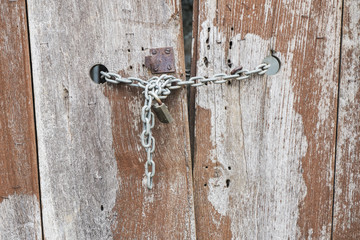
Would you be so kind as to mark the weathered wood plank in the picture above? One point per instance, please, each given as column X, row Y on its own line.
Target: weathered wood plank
column 19, row 188
column 91, row 159
column 347, row 191
column 264, row 147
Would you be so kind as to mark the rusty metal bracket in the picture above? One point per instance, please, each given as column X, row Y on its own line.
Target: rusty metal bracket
column 161, row 60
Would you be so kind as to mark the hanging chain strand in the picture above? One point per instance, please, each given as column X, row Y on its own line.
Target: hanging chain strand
column 147, row 140
column 158, row 88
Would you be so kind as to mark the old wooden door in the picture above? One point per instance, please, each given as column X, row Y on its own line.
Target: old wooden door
column 91, row 163
column 271, row 157
column 278, row 157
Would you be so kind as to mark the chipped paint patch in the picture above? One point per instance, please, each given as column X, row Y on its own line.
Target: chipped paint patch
column 258, row 180
column 20, row 217
column 219, row 194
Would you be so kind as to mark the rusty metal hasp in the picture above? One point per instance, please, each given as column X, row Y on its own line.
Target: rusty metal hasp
column 161, row 60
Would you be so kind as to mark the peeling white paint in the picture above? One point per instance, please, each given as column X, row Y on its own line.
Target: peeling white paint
column 219, row 194
column 20, row 207
column 135, row 107
column 346, row 203
column 266, row 184
column 273, row 159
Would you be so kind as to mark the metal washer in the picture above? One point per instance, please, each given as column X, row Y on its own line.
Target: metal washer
column 274, row 65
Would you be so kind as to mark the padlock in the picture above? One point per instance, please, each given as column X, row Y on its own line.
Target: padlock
column 162, row 113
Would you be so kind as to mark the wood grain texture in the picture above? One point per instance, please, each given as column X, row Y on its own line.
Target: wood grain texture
column 19, row 189
column 265, row 147
column 347, row 192
column 91, row 158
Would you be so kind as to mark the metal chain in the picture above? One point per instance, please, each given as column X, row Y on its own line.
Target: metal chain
column 176, row 83
column 158, row 88
column 147, row 140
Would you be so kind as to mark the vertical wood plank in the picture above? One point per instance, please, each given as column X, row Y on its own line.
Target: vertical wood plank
column 90, row 154
column 19, row 188
column 347, row 176
column 265, row 147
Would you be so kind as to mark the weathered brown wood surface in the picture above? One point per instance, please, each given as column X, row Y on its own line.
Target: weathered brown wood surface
column 90, row 156
column 265, row 147
column 19, row 189
column 347, row 191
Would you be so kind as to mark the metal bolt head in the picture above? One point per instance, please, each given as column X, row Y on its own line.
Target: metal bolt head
column 154, row 52
column 169, row 67
column 236, row 70
column 167, row 51
column 156, row 69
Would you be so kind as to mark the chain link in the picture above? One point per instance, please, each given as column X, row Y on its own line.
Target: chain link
column 158, row 88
